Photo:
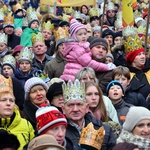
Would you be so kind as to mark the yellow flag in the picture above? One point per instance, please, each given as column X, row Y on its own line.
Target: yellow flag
column 68, row 2
column 127, row 13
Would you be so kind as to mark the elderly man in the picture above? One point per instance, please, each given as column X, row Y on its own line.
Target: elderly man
column 76, row 111
column 99, row 49
column 39, row 49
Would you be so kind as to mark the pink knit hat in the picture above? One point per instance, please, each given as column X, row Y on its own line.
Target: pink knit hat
column 74, row 27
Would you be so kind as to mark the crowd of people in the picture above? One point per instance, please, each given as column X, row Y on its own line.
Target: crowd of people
column 74, row 79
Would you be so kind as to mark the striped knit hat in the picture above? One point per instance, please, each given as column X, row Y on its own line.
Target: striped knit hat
column 49, row 117
column 74, row 27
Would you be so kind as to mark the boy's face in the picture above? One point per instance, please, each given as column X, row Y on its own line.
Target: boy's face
column 115, row 93
column 108, row 60
column 123, row 80
column 2, row 47
column 34, row 25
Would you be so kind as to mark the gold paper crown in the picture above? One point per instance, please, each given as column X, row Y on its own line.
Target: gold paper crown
column 93, row 12
column 9, row 19
column 25, row 54
column 65, row 17
column 16, row 7
column 5, row 84
column 5, row 10
column 1, row 15
column 3, row 38
column 132, row 44
column 61, row 33
column 137, row 14
column 74, row 91
column 68, row 10
column 8, row 59
column 24, row 22
column 47, row 26
column 144, row 7
column 129, row 31
column 110, row 6
column 31, row 14
column 77, row 15
column 141, row 30
column 91, row 137
column 37, row 37
column 44, row 8
column 118, row 23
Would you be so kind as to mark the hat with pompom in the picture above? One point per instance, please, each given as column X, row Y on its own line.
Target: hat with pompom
column 74, row 27
column 49, row 117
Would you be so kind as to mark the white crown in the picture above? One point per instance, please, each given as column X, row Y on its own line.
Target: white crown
column 3, row 38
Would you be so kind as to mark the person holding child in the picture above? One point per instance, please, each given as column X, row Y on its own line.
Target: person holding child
column 78, row 53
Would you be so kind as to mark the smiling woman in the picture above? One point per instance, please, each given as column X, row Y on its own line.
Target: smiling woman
column 35, row 95
column 136, row 128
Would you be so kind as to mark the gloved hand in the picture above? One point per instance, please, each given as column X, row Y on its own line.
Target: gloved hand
column 111, row 66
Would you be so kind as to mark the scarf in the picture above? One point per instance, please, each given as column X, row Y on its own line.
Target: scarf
column 128, row 137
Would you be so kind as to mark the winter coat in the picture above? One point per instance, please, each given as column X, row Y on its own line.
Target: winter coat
column 27, row 36
column 135, row 98
column 73, row 135
column 140, row 79
column 119, row 55
column 13, row 40
column 55, row 67
column 19, row 75
column 103, row 79
column 111, row 111
column 41, row 65
column 19, row 127
column 18, row 90
column 78, row 55
column 29, row 112
column 122, row 109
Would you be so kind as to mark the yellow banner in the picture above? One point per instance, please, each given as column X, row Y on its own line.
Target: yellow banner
column 69, row 3
column 127, row 13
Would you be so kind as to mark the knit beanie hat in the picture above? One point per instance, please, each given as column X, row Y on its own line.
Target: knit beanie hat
column 116, row 34
column 111, row 56
column 49, row 117
column 134, row 115
column 44, row 141
column 17, row 49
column 112, row 83
column 54, row 89
column 131, row 55
column 107, row 32
column 31, row 83
column 99, row 41
column 74, row 27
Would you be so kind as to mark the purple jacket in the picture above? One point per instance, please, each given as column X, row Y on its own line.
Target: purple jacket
column 79, row 55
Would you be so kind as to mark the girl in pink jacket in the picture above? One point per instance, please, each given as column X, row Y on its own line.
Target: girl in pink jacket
column 78, row 53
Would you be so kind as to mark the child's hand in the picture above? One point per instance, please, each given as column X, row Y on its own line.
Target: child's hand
column 111, row 66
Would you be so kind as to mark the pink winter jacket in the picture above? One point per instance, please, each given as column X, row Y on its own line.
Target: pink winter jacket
column 79, row 55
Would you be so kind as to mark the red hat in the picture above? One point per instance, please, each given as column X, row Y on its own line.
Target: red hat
column 131, row 55
column 145, row 14
column 48, row 118
column 17, row 49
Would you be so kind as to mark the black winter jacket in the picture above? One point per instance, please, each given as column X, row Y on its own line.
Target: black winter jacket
column 72, row 134
column 135, row 98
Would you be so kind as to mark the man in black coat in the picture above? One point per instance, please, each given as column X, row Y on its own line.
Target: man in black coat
column 8, row 27
column 76, row 111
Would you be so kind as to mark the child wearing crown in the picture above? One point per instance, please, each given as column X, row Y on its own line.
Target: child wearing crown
column 78, row 53
column 33, row 25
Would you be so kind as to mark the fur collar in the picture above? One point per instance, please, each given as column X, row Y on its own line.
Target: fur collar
column 128, row 137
